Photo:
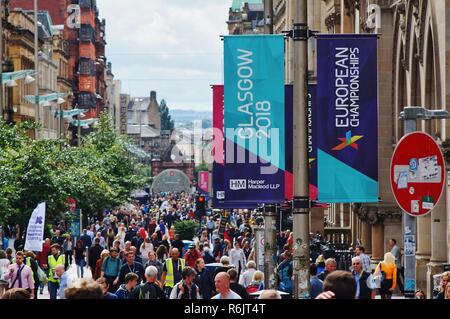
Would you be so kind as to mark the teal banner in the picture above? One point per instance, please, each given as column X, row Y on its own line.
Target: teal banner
column 254, row 119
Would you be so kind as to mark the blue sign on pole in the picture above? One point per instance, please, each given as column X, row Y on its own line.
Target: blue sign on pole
column 254, row 121
column 347, row 118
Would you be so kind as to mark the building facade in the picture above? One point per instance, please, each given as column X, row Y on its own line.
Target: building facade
column 413, row 70
column 246, row 17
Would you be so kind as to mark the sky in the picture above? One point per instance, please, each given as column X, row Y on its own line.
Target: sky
column 172, row 47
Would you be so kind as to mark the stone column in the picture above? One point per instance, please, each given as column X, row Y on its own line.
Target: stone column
column 423, row 253
column 317, row 220
column 366, row 236
column 439, row 240
column 378, row 245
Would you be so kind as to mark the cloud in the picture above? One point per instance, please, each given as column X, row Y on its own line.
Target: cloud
column 170, row 46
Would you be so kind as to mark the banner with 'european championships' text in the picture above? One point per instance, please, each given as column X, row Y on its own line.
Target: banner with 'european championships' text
column 254, row 120
column 347, row 118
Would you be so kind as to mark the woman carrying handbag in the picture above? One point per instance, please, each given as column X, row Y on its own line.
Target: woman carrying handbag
column 386, row 276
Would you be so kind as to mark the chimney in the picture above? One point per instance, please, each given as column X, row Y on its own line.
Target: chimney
column 153, row 96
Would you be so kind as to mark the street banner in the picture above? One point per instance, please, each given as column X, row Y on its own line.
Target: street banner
column 219, row 155
column 203, row 182
column 35, row 230
column 254, row 120
column 312, row 141
column 289, row 143
column 347, row 117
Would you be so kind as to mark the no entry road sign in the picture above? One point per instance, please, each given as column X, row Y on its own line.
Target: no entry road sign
column 417, row 173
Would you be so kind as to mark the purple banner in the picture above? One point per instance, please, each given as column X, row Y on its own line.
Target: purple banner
column 347, row 116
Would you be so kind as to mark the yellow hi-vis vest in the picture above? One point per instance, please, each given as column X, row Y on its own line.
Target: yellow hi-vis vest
column 170, row 277
column 52, row 263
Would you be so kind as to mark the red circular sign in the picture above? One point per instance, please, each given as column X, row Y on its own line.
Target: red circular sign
column 417, row 173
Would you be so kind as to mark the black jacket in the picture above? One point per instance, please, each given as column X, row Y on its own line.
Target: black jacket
column 137, row 268
column 148, row 291
column 240, row 290
column 94, row 255
column 205, row 283
column 364, row 291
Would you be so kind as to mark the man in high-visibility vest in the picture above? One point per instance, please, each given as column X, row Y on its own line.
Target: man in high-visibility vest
column 172, row 270
column 56, row 258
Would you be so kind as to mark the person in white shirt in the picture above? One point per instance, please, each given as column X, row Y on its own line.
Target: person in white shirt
column 246, row 277
column 237, row 258
column 222, row 282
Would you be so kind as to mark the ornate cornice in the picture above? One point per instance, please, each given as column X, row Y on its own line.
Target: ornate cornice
column 375, row 214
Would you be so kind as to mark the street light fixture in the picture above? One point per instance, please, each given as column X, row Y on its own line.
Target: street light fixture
column 29, row 79
column 10, row 83
column 60, row 101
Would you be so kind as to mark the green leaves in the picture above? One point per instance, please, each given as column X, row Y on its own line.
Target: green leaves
column 98, row 175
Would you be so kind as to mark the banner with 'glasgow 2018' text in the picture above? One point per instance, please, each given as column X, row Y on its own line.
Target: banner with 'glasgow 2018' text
column 347, row 117
column 254, row 120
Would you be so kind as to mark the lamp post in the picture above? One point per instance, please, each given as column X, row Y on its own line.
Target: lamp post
column 36, row 66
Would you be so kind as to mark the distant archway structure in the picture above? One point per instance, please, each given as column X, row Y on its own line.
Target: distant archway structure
column 171, row 180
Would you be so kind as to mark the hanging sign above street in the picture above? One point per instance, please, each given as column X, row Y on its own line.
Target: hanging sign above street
column 417, row 173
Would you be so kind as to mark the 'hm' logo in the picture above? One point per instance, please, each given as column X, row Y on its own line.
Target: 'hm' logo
column 238, row 184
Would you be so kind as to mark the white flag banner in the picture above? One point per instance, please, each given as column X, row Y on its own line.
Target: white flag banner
column 35, row 230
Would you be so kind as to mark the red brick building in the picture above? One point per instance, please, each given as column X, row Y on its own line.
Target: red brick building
column 86, row 48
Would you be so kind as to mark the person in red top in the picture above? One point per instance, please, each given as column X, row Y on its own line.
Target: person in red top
column 42, row 257
column 142, row 233
column 192, row 255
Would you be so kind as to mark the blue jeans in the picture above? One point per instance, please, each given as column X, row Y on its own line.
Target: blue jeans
column 53, row 289
column 80, row 267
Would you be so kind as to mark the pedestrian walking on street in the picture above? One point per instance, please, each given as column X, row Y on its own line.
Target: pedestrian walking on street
column 131, row 267
column 387, row 272
column 192, row 255
column 330, row 266
column 55, row 259
column 151, row 289
column 153, row 261
column 111, row 269
column 20, row 275
column 204, row 280
column 145, row 248
column 237, row 258
column 63, row 280
column 94, row 253
column 365, row 285
column 316, row 283
column 235, row 286
column 30, row 261
column 397, row 253
column 443, row 284
column 68, row 246
column 98, row 265
column 125, row 290
column 339, row 285
column 173, row 268
column 222, row 283
column 106, row 289
column 186, row 288
column 80, row 255
column 365, row 259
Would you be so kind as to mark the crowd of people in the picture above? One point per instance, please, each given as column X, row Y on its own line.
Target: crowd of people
column 135, row 253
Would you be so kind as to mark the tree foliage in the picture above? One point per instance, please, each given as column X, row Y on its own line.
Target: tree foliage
column 166, row 120
column 186, row 229
column 98, row 175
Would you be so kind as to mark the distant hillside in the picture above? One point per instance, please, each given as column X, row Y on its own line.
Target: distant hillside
column 184, row 118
